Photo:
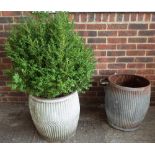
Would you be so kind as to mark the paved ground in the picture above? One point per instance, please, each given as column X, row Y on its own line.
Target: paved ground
column 16, row 127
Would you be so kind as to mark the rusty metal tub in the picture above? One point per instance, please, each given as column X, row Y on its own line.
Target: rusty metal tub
column 127, row 99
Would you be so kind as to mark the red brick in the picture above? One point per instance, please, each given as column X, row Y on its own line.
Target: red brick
column 11, row 13
column 5, row 88
column 76, row 17
column 105, row 17
column 146, row 46
column 152, row 26
column 107, row 72
column 80, row 26
column 6, row 20
column 1, row 73
column 115, row 53
column 137, row 40
column 134, row 16
column 98, row 17
column 106, row 46
column 126, row 46
column 144, row 59
column 3, row 93
column 150, row 53
column 119, row 17
column 150, row 65
column 107, row 33
column 138, row 26
column 87, row 33
column 125, row 59
column 136, row 66
column 147, row 33
column 105, row 59
column 117, row 40
column 140, row 16
column 22, row 99
column 101, row 66
column 152, row 84
column 91, row 17
column 2, row 84
column 116, row 26
column 147, row 17
column 153, row 88
column 6, row 60
column 135, row 53
column 96, row 26
column 1, row 27
column 2, row 54
column 12, row 99
column 83, row 17
column 151, row 77
column 151, row 40
column 126, row 17
column 126, row 71
column 8, row 27
column 5, row 66
column 96, row 40
column 2, row 40
column 100, row 53
column 16, row 94
column 112, row 17
column 4, row 99
column 4, row 34
column 1, row 47
column 145, row 71
column 116, row 66
column 127, row 33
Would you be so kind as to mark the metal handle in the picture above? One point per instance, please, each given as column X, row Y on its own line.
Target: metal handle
column 104, row 81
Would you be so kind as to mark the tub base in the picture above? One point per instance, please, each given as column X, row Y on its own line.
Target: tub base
column 123, row 129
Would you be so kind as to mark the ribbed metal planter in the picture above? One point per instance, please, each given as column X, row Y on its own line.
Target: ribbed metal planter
column 127, row 100
column 57, row 119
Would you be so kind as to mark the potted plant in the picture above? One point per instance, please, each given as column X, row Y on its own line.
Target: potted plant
column 51, row 64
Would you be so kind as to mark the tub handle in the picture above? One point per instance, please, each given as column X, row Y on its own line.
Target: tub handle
column 104, row 81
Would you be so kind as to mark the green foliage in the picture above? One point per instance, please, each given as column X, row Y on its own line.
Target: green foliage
column 49, row 58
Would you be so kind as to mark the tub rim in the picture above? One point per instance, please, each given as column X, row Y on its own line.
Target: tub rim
column 129, row 88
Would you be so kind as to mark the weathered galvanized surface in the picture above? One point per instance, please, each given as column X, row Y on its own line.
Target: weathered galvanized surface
column 127, row 101
column 16, row 126
column 55, row 119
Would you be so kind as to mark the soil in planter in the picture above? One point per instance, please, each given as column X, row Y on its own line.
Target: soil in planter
column 131, row 81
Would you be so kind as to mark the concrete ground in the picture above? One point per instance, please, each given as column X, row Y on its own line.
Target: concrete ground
column 16, row 126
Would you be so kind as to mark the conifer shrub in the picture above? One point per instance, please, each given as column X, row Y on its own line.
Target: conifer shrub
column 48, row 57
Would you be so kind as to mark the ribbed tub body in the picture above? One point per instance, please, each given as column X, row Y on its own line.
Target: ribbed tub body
column 55, row 120
column 126, row 108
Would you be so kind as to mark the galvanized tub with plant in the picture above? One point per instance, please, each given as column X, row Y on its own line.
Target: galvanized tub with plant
column 127, row 99
column 51, row 64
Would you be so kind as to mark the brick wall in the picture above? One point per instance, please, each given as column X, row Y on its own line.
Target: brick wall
column 122, row 43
